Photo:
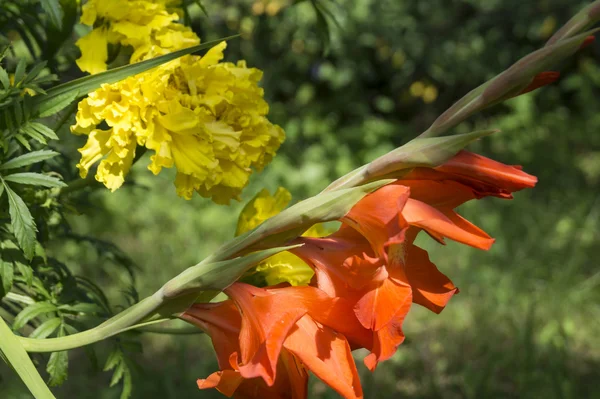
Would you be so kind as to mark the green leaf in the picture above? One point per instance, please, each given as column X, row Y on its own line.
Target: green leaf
column 116, row 361
column 90, row 83
column 43, row 129
column 46, row 328
column 35, row 179
column 34, row 72
column 31, row 312
column 28, row 159
column 54, row 11
column 22, row 222
column 20, row 71
column 1, row 190
column 28, row 130
column 57, row 103
column 4, row 79
column 6, row 277
column 21, row 139
column 16, row 356
column 25, row 271
column 57, row 367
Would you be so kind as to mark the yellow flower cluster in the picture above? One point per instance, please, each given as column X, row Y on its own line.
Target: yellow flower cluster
column 205, row 117
column 285, row 266
column 149, row 27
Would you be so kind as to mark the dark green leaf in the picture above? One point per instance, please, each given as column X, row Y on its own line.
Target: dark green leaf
column 25, row 271
column 34, row 72
column 43, row 129
column 22, row 222
column 28, row 159
column 46, row 328
column 20, row 71
column 88, row 84
column 4, row 79
column 6, row 277
column 28, row 130
column 56, row 103
column 54, row 11
column 57, row 368
column 35, row 179
column 1, row 190
column 21, row 139
column 32, row 311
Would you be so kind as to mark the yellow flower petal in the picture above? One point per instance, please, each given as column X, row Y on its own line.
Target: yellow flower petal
column 94, row 52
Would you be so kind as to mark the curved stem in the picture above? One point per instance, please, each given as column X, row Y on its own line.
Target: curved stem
column 121, row 322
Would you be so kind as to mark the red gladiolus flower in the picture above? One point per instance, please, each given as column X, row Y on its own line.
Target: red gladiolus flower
column 274, row 334
column 372, row 261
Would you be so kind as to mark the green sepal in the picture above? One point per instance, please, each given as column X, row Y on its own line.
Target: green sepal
column 584, row 19
column 421, row 152
column 216, row 276
column 293, row 221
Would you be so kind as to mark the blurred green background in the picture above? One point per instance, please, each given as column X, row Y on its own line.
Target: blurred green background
column 527, row 321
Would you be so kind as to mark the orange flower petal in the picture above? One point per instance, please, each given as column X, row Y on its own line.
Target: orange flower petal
column 540, row 80
column 377, row 307
column 387, row 340
column 440, row 225
column 378, row 217
column 480, row 168
column 330, row 359
column 430, row 288
column 266, row 321
column 226, row 382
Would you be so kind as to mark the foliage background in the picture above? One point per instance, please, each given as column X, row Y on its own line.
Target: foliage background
column 527, row 319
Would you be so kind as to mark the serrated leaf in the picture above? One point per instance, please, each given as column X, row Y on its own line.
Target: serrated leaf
column 6, row 277
column 34, row 72
column 20, row 71
column 25, row 271
column 43, row 129
column 57, row 367
column 57, row 103
column 28, row 130
column 34, row 179
column 22, row 222
column 28, row 159
column 46, row 328
column 113, row 359
column 117, row 374
column 4, row 79
column 21, row 139
column 32, row 311
column 127, row 384
column 54, row 11
column 90, row 83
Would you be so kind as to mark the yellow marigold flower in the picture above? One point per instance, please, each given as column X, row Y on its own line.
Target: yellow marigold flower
column 285, row 266
column 206, row 118
column 149, row 26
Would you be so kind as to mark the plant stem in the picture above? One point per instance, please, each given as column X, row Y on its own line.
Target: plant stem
column 111, row 327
